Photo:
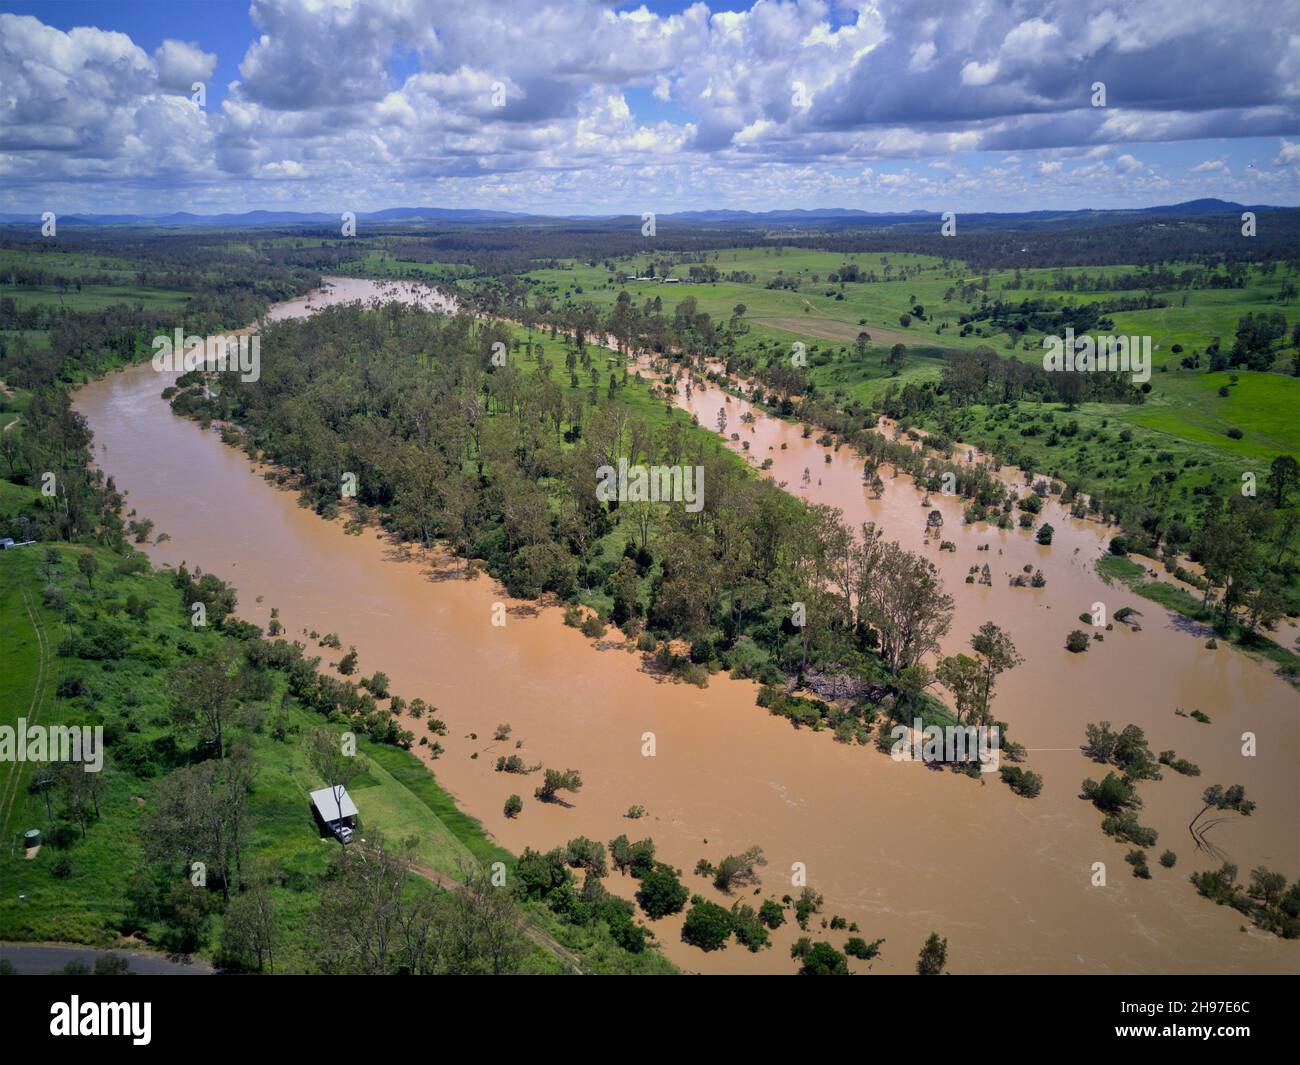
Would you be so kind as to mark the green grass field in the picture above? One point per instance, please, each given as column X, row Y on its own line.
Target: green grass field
column 820, row 309
column 1264, row 406
column 67, row 262
column 383, row 264
column 92, row 297
column 828, row 318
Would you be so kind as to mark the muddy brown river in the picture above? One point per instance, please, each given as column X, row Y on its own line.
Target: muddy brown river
column 901, row 849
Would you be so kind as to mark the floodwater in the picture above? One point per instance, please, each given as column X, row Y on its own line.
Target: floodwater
column 900, row 849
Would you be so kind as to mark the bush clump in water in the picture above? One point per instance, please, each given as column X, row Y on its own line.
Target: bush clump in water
column 1021, row 781
column 707, row 926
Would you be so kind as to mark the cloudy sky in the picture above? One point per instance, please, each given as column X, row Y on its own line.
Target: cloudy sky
column 579, row 106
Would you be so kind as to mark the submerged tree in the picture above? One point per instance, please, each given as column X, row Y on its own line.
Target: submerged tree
column 933, row 956
column 997, row 654
column 555, row 782
column 738, row 870
column 1218, row 797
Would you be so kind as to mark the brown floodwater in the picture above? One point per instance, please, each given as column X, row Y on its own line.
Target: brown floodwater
column 900, row 849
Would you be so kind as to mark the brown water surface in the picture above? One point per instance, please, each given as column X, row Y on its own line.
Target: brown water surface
column 899, row 848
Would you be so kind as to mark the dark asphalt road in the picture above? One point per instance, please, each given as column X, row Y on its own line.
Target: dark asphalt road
column 32, row 958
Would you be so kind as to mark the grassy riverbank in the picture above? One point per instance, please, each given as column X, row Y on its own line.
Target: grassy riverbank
column 95, row 643
column 1179, row 600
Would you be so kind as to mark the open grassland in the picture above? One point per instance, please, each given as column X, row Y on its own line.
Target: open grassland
column 817, row 308
column 67, row 262
column 1183, row 412
column 1264, row 406
column 80, row 280
column 838, row 311
column 91, row 297
column 384, row 264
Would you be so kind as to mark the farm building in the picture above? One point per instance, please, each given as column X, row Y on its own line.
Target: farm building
column 335, row 811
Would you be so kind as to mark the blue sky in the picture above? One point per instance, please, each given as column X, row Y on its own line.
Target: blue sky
column 586, row 107
column 221, row 26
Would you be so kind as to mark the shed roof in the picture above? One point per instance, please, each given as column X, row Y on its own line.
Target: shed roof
column 328, row 804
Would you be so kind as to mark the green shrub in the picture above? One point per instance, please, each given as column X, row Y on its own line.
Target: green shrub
column 859, row 948
column 749, row 928
column 824, row 960
column 1021, row 781
column 662, row 893
column 707, row 926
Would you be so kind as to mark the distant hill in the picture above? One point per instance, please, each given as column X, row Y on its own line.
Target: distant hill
column 1204, row 207
column 823, row 218
column 247, row 219
column 797, row 217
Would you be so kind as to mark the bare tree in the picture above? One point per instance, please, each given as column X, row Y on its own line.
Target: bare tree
column 360, row 922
